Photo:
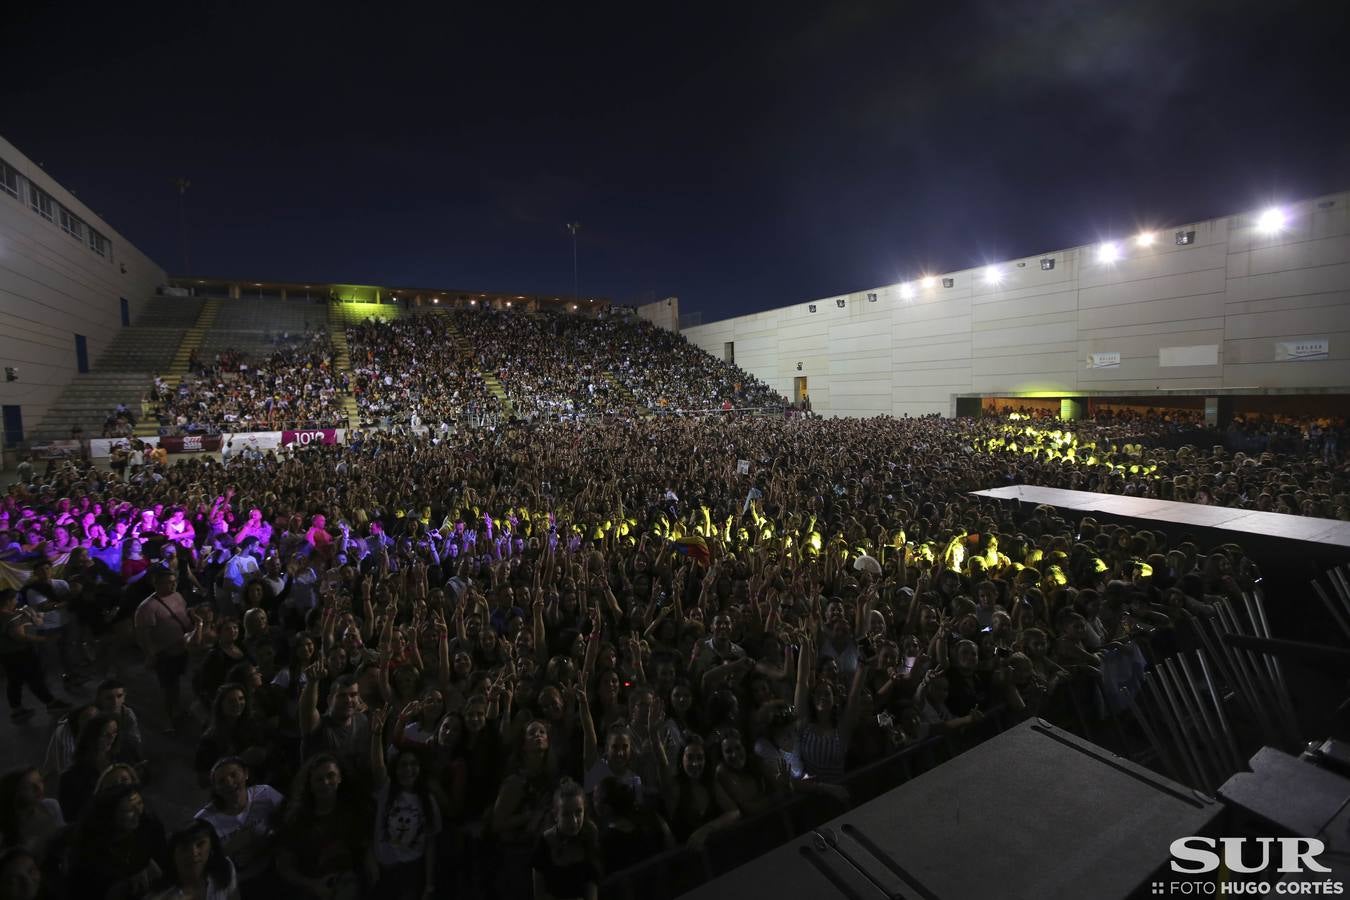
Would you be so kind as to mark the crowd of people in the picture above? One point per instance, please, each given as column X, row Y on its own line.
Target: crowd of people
column 429, row 369
column 553, row 364
column 296, row 386
column 517, row 660
column 1138, row 461
column 416, row 368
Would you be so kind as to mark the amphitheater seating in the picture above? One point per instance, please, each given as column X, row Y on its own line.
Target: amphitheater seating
column 123, row 372
column 531, row 364
column 170, row 312
column 88, row 401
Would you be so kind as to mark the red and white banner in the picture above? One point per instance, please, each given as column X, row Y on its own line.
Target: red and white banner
column 191, row 443
column 311, row 436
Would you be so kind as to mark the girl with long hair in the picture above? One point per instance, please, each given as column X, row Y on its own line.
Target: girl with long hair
column 407, row 819
column 233, row 731
column 198, row 866
column 522, row 803
column 119, row 849
column 695, row 804
column 224, row 655
column 28, row 818
column 94, row 750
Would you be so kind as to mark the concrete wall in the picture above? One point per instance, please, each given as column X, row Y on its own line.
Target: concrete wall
column 1207, row 316
column 53, row 286
column 663, row 313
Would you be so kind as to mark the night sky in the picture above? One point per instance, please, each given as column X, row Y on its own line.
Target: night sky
column 740, row 156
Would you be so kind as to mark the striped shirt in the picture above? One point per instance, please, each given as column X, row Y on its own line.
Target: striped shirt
column 822, row 752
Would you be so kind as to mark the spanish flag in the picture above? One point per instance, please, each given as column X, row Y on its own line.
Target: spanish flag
column 694, row 547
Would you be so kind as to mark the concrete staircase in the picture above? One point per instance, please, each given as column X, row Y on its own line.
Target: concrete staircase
column 618, row 389
column 490, row 379
column 192, row 340
column 123, row 372
column 495, row 388
column 342, row 359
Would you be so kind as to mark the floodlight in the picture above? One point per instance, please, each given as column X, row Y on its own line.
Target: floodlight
column 906, row 292
column 929, row 281
column 1272, row 221
column 1145, row 239
column 992, row 275
column 1108, row 253
column 841, row 303
column 811, row 307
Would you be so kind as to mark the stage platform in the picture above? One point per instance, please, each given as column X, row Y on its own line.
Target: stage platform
column 1033, row 814
column 1240, row 522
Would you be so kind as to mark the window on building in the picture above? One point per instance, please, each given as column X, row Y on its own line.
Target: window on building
column 9, row 179
column 72, row 224
column 14, row 184
column 42, row 202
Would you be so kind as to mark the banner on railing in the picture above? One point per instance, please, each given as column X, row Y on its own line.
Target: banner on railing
column 312, row 436
column 256, row 440
column 191, row 443
column 102, row 448
column 57, row 450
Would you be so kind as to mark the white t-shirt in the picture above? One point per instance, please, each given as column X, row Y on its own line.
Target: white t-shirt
column 601, row 770
column 263, row 802
column 214, row 890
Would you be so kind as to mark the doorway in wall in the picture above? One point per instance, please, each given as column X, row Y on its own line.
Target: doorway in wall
column 126, row 312
column 800, row 392
column 969, row 407
column 81, row 353
column 729, row 351
column 13, row 419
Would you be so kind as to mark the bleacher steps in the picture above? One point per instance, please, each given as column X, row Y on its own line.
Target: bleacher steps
column 192, row 340
column 623, row 392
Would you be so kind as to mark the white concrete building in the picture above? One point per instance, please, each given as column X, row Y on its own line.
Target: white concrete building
column 1252, row 303
column 68, row 282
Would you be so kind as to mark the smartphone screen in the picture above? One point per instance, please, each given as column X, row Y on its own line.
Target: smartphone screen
column 909, row 664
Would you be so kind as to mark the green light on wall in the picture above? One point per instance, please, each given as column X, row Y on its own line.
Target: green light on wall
column 357, row 293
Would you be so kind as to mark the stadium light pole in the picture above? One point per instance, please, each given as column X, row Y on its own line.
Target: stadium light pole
column 573, row 228
column 183, row 184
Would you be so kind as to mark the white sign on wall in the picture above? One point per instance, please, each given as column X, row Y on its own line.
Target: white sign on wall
column 1103, row 361
column 1198, row 355
column 1314, row 348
